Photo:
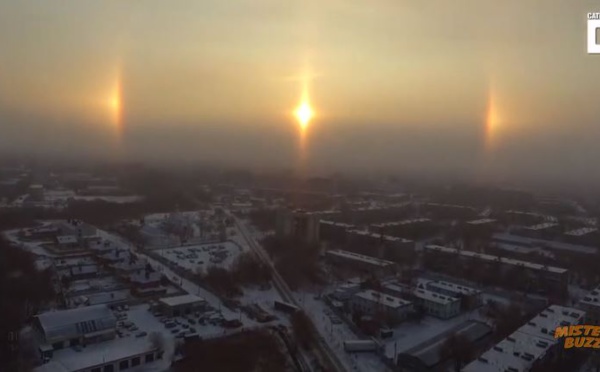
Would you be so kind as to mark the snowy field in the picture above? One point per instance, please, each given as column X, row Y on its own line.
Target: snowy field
column 200, row 257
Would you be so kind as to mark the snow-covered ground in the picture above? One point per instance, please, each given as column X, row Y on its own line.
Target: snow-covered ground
column 58, row 196
column 335, row 335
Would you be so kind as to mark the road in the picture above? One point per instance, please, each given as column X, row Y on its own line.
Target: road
column 324, row 351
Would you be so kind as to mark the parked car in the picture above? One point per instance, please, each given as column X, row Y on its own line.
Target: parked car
column 141, row 334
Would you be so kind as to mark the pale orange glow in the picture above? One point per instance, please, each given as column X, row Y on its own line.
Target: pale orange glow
column 304, row 113
column 492, row 119
column 115, row 104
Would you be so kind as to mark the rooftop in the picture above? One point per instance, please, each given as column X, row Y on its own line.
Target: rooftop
column 489, row 257
column 383, row 299
column 481, row 221
column 426, row 295
column 360, row 257
column 99, row 354
column 592, row 298
column 519, row 351
column 582, row 231
column 548, row 244
column 387, row 238
column 66, row 239
column 401, row 222
column 541, row 226
column 76, row 321
column 453, row 287
column 181, row 300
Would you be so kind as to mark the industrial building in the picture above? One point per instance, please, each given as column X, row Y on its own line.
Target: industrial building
column 79, row 326
column 182, row 305
column 375, row 303
column 366, row 264
column 435, row 304
column 591, row 305
column 552, row 277
column 470, row 297
column 531, row 345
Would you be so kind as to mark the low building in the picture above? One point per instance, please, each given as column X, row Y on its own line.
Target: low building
column 435, row 304
column 377, row 245
column 470, row 297
column 366, row 264
column 377, row 304
column 110, row 356
column 345, row 291
column 76, row 227
column 588, row 236
column 529, row 244
column 531, row 345
column 414, row 228
column 80, row 326
column 83, row 272
column 182, row 305
column 548, row 277
column 545, row 230
column 591, row 305
column 124, row 269
column 36, row 192
column 146, row 283
column 428, row 356
column 114, row 256
column 67, row 242
column 449, row 211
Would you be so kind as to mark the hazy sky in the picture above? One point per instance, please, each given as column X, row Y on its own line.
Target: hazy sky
column 490, row 87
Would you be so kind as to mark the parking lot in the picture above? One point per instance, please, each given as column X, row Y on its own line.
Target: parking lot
column 199, row 257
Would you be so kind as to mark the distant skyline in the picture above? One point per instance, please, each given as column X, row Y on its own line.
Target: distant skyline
column 496, row 90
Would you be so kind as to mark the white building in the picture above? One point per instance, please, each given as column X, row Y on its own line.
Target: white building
column 357, row 261
column 180, row 305
column 436, row 304
column 530, row 345
column 455, row 290
column 85, row 325
column 371, row 302
column 345, row 291
column 591, row 305
column 110, row 356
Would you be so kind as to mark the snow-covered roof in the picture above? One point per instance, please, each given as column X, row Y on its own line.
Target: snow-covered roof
column 76, row 322
column 582, row 231
column 430, row 296
column 519, row 351
column 386, row 238
column 382, row 299
column 481, row 221
column 100, row 354
column 142, row 278
column 84, row 269
column 452, row 287
column 360, row 257
column 592, row 298
column 181, row 300
column 401, row 222
column 542, row 226
column 489, row 257
column 66, row 239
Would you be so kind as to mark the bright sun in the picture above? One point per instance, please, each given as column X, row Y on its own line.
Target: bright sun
column 304, row 113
